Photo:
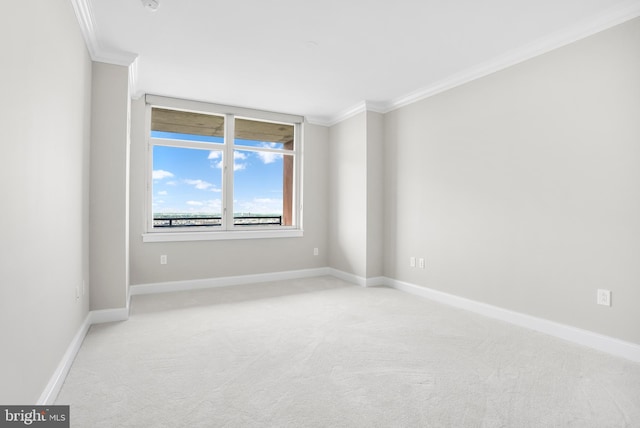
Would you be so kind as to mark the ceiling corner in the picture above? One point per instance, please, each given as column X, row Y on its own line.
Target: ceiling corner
column 318, row 120
column 376, row 107
column 86, row 21
column 346, row 114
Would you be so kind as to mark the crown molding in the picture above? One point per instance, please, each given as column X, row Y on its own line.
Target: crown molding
column 134, row 87
column 347, row 113
column 375, row 107
column 329, row 121
column 317, row 120
column 87, row 24
column 627, row 11
column 124, row 59
column 616, row 16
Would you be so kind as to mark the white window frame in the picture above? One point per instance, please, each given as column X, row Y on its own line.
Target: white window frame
column 228, row 230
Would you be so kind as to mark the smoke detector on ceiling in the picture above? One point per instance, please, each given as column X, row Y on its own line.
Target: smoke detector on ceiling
column 151, row 4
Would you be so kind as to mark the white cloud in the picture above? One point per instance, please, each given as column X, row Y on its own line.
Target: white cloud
column 215, row 155
column 159, row 174
column 195, row 203
column 237, row 166
column 171, row 183
column 269, row 157
column 162, row 193
column 199, row 184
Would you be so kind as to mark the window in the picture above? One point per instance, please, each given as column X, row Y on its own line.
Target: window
column 220, row 172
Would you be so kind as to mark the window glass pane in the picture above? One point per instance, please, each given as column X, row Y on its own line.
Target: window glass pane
column 184, row 125
column 260, row 188
column 188, row 176
column 264, row 134
column 187, row 187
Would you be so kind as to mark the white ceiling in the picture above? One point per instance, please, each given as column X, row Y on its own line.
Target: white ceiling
column 323, row 59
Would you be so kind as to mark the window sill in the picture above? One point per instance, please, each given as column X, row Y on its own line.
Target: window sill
column 220, row 236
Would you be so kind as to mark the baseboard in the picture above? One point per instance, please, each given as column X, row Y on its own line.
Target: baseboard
column 54, row 385
column 349, row 277
column 613, row 346
column 109, row 315
column 376, row 281
column 359, row 280
column 607, row 344
column 56, row 381
column 196, row 284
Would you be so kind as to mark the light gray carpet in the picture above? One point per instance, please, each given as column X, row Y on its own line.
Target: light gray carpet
column 323, row 353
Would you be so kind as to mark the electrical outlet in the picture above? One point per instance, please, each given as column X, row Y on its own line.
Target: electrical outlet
column 163, row 259
column 421, row 263
column 604, row 297
column 316, row 252
column 412, row 262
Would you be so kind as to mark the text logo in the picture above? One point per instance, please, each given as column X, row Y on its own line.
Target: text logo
column 34, row 416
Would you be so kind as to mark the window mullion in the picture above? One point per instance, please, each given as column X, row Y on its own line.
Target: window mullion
column 297, row 191
column 149, row 168
column 227, row 193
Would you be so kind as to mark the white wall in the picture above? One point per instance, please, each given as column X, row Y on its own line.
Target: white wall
column 109, row 186
column 521, row 189
column 375, row 194
column 214, row 259
column 356, row 181
column 348, row 195
column 44, row 173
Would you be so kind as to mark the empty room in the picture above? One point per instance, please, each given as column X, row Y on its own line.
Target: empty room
column 318, row 214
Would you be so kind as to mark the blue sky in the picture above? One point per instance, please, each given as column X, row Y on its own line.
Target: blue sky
column 190, row 180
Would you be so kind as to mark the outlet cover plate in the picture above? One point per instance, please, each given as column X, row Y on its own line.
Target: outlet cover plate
column 604, row 297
